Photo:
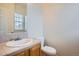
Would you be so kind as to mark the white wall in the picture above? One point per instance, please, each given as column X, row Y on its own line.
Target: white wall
column 61, row 27
column 34, row 16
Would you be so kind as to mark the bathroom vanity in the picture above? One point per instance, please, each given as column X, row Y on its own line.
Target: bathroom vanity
column 33, row 49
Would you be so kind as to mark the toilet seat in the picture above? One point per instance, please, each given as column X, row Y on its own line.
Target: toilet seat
column 49, row 50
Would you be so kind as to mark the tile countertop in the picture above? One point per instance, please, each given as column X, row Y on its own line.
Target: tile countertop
column 9, row 51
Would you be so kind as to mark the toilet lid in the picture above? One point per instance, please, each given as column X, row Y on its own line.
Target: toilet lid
column 49, row 50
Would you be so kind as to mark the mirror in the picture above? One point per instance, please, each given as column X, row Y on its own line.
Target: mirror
column 20, row 13
column 13, row 17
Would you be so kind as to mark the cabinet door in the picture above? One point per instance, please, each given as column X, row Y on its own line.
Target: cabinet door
column 27, row 52
column 23, row 53
column 35, row 50
column 20, row 54
column 42, row 53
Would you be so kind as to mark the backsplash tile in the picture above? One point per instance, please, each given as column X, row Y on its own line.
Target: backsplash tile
column 8, row 36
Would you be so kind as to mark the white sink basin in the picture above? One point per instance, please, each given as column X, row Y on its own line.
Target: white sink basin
column 22, row 42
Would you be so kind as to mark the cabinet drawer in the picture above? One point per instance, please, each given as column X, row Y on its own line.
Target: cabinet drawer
column 35, row 47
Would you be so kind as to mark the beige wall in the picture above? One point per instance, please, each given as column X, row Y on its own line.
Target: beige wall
column 21, row 8
column 8, row 13
column 59, row 20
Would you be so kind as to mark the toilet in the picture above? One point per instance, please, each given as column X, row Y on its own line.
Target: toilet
column 49, row 51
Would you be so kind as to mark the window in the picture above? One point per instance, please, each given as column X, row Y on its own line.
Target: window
column 19, row 22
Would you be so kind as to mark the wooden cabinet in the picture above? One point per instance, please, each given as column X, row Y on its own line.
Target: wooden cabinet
column 35, row 50
column 27, row 52
column 42, row 53
column 23, row 53
column 20, row 54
